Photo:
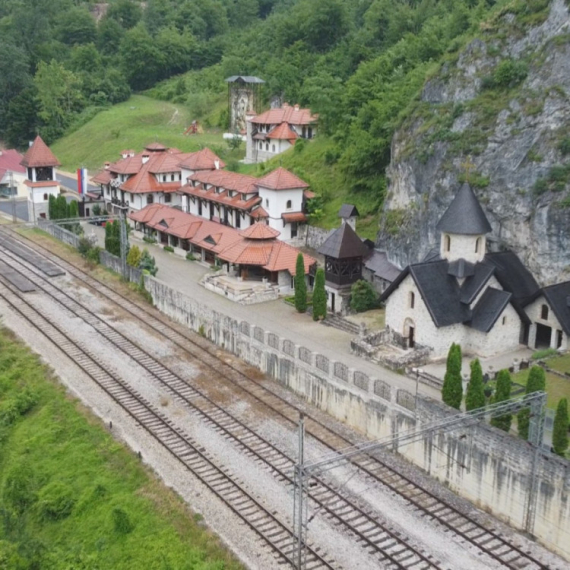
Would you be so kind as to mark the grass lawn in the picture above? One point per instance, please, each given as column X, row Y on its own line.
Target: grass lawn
column 556, row 387
column 72, row 497
column 131, row 125
column 560, row 363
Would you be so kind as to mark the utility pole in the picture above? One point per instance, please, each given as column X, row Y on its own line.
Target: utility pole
column 13, row 196
column 122, row 223
column 299, row 506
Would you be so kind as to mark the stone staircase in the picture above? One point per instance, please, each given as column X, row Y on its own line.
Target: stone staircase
column 342, row 324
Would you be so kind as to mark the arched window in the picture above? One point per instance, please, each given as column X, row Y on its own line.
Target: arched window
column 289, row 204
column 504, row 320
column 544, row 312
column 447, row 243
column 477, row 245
column 412, row 299
column 45, row 197
column 272, row 148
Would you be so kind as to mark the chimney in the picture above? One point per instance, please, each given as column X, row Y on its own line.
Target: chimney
column 132, row 153
column 217, row 164
column 285, row 105
column 107, row 164
column 30, row 143
column 297, row 107
column 145, row 158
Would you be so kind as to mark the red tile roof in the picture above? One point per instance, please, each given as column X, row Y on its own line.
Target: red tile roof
column 204, row 159
column 259, row 231
column 308, row 194
column 283, row 132
column 39, row 155
column 102, row 177
column 281, row 179
column 155, row 146
column 286, row 114
column 236, row 201
column 259, row 213
column 227, row 180
column 294, row 217
column 10, row 161
column 228, row 243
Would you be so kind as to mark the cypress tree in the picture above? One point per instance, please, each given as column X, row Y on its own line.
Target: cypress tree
column 61, row 208
column 535, row 382
column 475, row 397
column 300, row 285
column 319, row 296
column 502, row 393
column 560, row 430
column 452, row 390
column 51, row 207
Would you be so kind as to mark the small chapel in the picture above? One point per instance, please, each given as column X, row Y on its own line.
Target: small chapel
column 488, row 302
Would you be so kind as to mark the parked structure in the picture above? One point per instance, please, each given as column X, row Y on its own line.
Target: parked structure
column 253, row 254
column 487, row 302
column 12, row 174
column 40, row 163
column 276, row 130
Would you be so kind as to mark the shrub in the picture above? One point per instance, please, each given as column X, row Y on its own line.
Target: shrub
column 544, row 353
column 475, row 397
column 564, row 146
column 94, row 255
column 84, row 246
column 319, row 296
column 134, row 256
column 502, row 393
column 121, row 521
column 363, row 297
column 168, row 248
column 509, row 73
column 149, row 239
column 300, row 285
column 148, row 263
column 190, row 256
column 452, row 389
column 55, row 501
column 560, row 430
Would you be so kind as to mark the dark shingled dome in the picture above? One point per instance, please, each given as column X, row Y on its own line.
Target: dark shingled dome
column 464, row 215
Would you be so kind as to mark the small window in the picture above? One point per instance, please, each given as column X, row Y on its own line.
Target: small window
column 172, row 178
column 45, row 196
column 544, row 312
column 266, row 146
column 412, row 299
column 272, row 148
column 289, row 204
column 477, row 245
column 447, row 243
column 167, row 198
column 267, row 202
column 504, row 320
column 149, row 199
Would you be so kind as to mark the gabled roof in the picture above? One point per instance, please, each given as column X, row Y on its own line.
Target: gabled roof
column 283, row 132
column 281, row 179
column 244, row 79
column 259, row 231
column 204, row 159
column 379, row 264
column 11, row 161
column 464, row 215
column 259, row 213
column 343, row 243
column 488, row 309
column 472, row 287
column 228, row 180
column 39, row 155
column 513, row 275
column 348, row 211
column 286, row 114
column 558, row 297
column 461, row 268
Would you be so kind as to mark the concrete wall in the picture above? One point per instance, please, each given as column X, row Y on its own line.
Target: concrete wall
column 483, row 464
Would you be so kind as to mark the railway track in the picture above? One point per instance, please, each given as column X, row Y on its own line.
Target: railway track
column 389, row 548
column 188, row 452
column 487, row 540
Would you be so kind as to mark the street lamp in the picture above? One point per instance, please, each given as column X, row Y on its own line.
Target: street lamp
column 418, row 371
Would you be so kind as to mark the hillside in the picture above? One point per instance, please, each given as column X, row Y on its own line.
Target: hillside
column 497, row 117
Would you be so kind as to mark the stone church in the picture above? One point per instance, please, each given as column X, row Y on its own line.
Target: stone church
column 487, row 302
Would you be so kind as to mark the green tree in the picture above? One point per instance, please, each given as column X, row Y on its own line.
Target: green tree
column 319, row 296
column 363, row 297
column 560, row 430
column 141, row 60
column 134, row 256
column 502, row 393
column 452, row 390
column 22, row 120
column 76, row 26
column 475, row 397
column 113, row 237
column 535, row 382
column 126, row 12
column 300, row 285
column 148, row 263
column 109, row 36
column 52, row 207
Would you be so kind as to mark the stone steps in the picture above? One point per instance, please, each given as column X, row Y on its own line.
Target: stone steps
column 342, row 324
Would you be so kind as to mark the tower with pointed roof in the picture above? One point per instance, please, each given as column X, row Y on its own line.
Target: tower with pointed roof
column 463, row 228
column 40, row 163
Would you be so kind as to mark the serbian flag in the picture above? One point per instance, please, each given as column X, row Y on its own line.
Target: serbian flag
column 82, row 180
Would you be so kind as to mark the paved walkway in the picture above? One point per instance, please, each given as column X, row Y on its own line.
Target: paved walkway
column 274, row 316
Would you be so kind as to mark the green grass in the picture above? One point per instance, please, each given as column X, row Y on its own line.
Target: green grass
column 131, row 125
column 560, row 363
column 72, row 497
column 556, row 387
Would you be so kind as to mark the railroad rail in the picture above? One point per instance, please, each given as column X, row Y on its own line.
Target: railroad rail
column 390, row 549
column 487, row 540
column 219, row 481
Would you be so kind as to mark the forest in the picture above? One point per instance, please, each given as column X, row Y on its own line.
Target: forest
column 360, row 64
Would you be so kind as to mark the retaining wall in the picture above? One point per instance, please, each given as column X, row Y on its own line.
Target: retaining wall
column 481, row 463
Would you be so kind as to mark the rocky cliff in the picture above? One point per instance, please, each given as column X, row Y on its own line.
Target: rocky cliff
column 495, row 116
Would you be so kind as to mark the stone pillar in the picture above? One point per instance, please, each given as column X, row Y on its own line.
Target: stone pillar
column 532, row 336
column 553, row 336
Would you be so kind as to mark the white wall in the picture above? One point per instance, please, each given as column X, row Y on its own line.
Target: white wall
column 275, row 203
column 463, row 247
column 534, row 312
column 36, row 195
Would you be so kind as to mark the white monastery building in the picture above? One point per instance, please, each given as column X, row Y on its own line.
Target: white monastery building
column 276, row 131
column 487, row 302
column 12, row 174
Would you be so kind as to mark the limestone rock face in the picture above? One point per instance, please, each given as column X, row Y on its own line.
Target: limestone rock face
column 497, row 118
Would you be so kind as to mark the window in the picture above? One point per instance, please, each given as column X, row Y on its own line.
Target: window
column 272, row 148
column 544, row 312
column 149, row 199
column 412, row 299
column 477, row 245
column 267, row 202
column 266, row 146
column 504, row 320
column 294, row 229
column 45, row 196
column 447, row 243
column 172, row 178
column 167, row 198
column 288, row 204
